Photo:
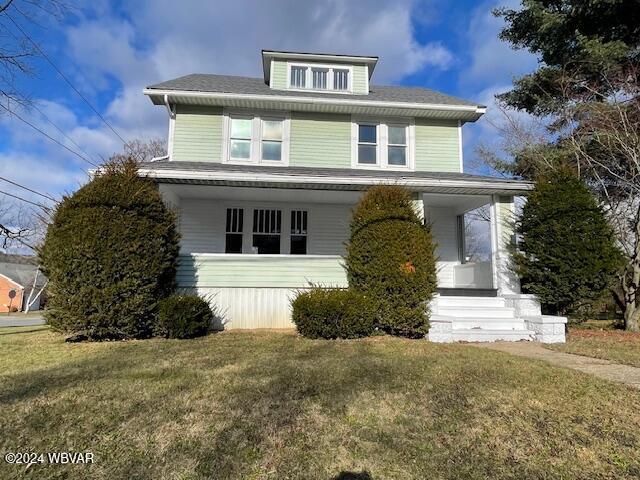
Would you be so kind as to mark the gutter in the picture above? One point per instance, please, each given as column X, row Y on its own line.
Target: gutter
column 478, row 109
column 360, row 180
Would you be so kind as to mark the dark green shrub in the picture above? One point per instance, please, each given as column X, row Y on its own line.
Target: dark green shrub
column 184, row 316
column 110, row 254
column 567, row 255
column 333, row 313
column 390, row 258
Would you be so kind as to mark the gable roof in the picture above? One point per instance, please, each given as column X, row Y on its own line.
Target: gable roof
column 199, row 82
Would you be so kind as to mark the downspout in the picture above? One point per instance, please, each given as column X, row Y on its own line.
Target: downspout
column 172, row 117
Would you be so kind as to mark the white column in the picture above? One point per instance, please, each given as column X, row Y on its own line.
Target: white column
column 502, row 230
column 418, row 205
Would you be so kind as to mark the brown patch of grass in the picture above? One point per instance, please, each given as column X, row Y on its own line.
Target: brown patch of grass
column 615, row 345
column 274, row 405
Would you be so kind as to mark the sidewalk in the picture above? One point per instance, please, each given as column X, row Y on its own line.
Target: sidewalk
column 614, row 372
column 21, row 320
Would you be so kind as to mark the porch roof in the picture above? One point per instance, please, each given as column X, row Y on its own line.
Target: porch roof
column 345, row 179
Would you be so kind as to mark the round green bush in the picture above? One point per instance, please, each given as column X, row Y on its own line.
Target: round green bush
column 390, row 258
column 110, row 254
column 184, row 316
column 333, row 313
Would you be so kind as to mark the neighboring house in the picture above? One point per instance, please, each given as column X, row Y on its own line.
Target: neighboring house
column 264, row 173
column 18, row 272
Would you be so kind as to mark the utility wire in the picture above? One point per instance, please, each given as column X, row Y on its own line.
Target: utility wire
column 48, row 136
column 65, row 78
column 29, row 189
column 26, row 201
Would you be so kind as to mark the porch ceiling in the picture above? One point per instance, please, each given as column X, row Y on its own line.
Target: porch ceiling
column 335, row 179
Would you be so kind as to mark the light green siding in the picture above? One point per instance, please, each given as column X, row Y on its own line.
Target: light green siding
column 320, row 140
column 197, row 134
column 437, row 146
column 259, row 271
column 279, row 74
column 279, row 77
column 360, row 79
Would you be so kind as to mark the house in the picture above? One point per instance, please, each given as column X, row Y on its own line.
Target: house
column 265, row 171
column 20, row 274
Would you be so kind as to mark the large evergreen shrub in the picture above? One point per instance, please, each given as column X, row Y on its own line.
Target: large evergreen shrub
column 110, row 254
column 567, row 255
column 333, row 313
column 390, row 259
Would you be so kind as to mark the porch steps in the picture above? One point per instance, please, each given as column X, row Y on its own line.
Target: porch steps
column 476, row 319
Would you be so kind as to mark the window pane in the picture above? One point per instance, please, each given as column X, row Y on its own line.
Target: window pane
column 367, row 134
column 271, row 151
column 298, row 75
column 233, row 243
column 272, row 129
column 319, row 78
column 265, row 244
column 397, row 135
column 241, row 149
column 397, row 156
column 240, row 128
column 298, row 245
column 340, row 80
column 367, row 154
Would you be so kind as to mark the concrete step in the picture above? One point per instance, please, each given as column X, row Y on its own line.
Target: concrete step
column 482, row 335
column 488, row 323
column 477, row 312
column 444, row 301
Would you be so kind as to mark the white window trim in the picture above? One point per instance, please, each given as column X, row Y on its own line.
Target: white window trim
column 256, row 136
column 383, row 142
column 309, row 77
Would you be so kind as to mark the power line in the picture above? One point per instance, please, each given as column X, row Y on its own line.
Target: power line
column 25, row 200
column 64, row 77
column 28, row 189
column 47, row 135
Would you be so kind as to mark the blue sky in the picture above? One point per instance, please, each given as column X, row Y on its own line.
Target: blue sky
column 111, row 50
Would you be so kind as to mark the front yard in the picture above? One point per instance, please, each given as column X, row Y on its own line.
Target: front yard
column 606, row 343
column 274, row 405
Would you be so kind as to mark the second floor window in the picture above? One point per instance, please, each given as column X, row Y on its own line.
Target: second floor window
column 367, row 144
column 380, row 144
column 397, row 145
column 256, row 138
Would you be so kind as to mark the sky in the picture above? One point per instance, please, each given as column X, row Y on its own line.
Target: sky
column 111, row 50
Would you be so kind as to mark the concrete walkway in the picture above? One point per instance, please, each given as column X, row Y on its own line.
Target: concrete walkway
column 600, row 368
column 20, row 320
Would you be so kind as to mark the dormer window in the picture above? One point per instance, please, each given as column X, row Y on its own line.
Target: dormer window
column 320, row 77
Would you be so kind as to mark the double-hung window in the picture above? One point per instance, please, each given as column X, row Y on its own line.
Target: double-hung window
column 272, row 139
column 379, row 144
column 257, row 138
column 367, row 144
column 267, row 225
column 298, row 232
column 233, row 237
column 397, row 145
column 240, row 138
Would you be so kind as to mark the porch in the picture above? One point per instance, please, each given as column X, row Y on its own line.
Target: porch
column 253, row 236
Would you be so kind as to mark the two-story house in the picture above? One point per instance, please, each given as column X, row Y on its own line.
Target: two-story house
column 264, row 173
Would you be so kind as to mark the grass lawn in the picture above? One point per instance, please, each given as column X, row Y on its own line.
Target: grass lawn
column 273, row 405
column 615, row 345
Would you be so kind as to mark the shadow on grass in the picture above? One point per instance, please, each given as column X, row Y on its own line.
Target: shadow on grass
column 364, row 475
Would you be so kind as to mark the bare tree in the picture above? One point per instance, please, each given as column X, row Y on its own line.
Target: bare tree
column 17, row 51
column 22, row 226
column 142, row 150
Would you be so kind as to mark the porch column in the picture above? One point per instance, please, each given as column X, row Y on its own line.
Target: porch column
column 502, row 232
column 418, row 205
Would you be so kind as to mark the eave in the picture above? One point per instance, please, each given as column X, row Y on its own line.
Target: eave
column 425, row 184
column 466, row 113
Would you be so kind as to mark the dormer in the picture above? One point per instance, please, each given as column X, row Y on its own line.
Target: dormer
column 319, row 73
